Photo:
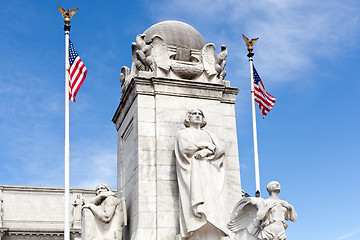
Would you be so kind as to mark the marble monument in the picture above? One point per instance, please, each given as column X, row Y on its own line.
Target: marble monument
column 174, row 70
column 177, row 179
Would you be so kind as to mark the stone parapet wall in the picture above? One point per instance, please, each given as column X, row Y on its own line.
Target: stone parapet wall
column 37, row 212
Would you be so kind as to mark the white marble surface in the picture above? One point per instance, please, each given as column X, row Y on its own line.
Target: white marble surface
column 156, row 113
column 103, row 216
column 258, row 218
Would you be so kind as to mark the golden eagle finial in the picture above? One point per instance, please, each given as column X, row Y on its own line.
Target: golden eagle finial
column 67, row 14
column 250, row 43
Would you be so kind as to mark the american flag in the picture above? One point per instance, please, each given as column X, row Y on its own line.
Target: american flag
column 264, row 99
column 77, row 72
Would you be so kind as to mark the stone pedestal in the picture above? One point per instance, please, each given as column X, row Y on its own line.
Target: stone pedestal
column 151, row 112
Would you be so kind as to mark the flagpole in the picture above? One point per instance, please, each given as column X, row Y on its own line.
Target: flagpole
column 67, row 15
column 67, row 142
column 256, row 155
column 265, row 100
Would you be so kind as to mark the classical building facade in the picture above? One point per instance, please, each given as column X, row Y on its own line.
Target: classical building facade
column 38, row 212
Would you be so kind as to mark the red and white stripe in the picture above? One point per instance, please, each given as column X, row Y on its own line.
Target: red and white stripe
column 264, row 99
column 77, row 73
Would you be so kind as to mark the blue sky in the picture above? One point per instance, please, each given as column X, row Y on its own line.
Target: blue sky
column 307, row 56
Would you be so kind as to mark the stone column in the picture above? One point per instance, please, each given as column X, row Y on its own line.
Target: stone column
column 150, row 113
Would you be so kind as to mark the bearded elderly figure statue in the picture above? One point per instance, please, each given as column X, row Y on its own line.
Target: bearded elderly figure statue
column 104, row 216
column 201, row 179
column 257, row 218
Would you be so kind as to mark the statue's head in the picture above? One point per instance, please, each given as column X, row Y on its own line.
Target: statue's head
column 273, row 186
column 102, row 188
column 194, row 116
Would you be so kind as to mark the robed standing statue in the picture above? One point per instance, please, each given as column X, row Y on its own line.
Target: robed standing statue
column 201, row 179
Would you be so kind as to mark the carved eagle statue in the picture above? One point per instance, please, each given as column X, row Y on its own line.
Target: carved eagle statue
column 250, row 43
column 67, row 13
column 221, row 62
column 214, row 64
column 141, row 52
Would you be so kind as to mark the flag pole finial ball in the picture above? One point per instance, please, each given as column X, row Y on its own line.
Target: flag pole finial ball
column 67, row 21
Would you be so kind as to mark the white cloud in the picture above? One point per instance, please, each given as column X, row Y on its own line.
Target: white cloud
column 92, row 164
column 349, row 235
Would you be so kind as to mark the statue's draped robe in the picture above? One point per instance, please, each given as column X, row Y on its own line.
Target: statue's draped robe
column 202, row 183
column 94, row 228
